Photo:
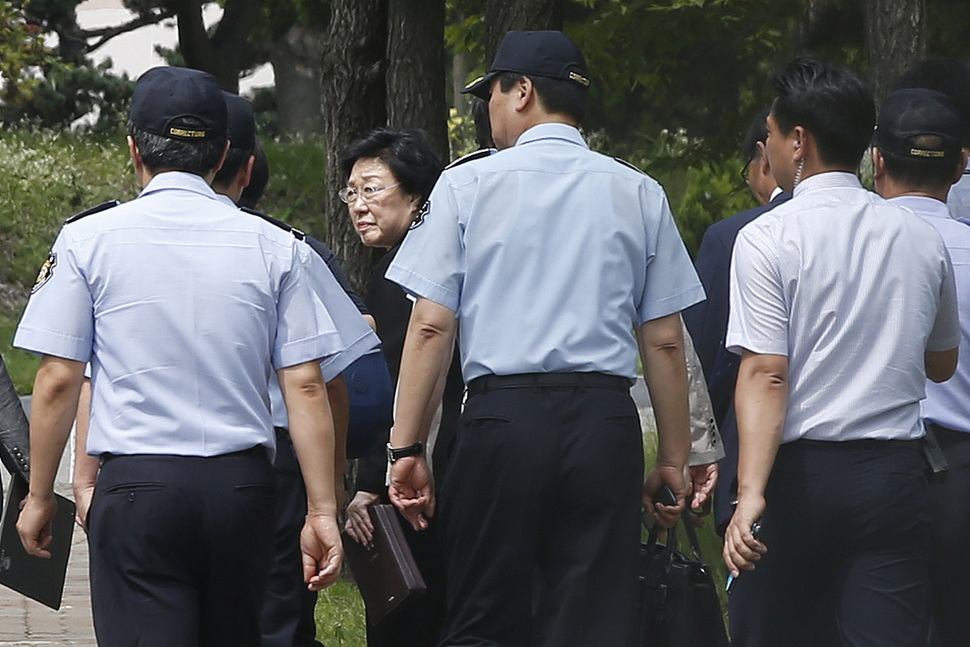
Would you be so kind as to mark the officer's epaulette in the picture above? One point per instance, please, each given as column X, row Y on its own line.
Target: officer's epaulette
column 471, row 157
column 104, row 206
column 279, row 223
column 627, row 164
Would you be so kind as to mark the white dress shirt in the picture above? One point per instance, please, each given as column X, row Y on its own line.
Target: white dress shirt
column 852, row 290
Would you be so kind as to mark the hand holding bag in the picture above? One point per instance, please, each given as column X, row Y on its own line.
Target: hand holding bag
column 679, row 606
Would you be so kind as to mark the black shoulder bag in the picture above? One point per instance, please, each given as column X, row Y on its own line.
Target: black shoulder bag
column 679, row 606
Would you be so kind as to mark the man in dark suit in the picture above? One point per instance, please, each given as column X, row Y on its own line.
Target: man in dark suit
column 707, row 321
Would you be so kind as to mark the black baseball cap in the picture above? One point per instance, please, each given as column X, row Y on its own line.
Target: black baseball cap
column 167, row 99
column 549, row 54
column 242, row 122
column 914, row 112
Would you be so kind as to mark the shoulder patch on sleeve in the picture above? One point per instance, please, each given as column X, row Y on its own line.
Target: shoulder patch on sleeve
column 299, row 235
column 46, row 272
column 628, row 165
column 424, row 212
column 471, row 157
column 104, row 206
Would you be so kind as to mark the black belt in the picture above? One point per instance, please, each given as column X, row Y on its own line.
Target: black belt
column 533, row 380
column 256, row 451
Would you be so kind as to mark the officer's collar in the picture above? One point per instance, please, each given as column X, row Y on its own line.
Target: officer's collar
column 564, row 132
column 178, row 180
column 226, row 200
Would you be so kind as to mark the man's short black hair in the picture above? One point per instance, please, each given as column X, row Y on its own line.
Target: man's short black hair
column 922, row 173
column 949, row 76
column 253, row 191
column 757, row 132
column 831, row 102
column 161, row 153
column 558, row 96
column 405, row 151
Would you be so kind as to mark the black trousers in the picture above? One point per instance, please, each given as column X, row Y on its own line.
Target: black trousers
column 950, row 541
column 180, row 549
column 541, row 513
column 847, row 532
column 287, row 618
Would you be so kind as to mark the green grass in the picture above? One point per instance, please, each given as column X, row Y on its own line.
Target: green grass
column 340, row 615
column 21, row 365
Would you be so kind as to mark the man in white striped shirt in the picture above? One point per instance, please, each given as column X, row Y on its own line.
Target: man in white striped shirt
column 841, row 306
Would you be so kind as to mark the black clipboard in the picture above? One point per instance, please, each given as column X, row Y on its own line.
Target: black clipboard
column 385, row 572
column 38, row 578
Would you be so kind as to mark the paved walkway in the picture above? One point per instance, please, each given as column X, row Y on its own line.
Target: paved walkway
column 24, row 622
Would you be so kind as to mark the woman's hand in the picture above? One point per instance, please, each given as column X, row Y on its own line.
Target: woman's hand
column 359, row 525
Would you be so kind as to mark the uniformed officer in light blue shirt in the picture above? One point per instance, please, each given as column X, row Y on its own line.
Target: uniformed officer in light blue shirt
column 917, row 158
column 557, row 263
column 184, row 306
column 287, row 618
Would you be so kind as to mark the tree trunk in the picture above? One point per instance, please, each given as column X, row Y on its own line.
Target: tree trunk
column 895, row 39
column 502, row 16
column 296, row 67
column 222, row 55
column 354, row 95
column 416, row 69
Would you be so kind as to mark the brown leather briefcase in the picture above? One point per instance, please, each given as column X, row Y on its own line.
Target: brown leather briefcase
column 385, row 572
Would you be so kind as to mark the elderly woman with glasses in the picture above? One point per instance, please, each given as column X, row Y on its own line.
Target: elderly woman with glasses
column 390, row 173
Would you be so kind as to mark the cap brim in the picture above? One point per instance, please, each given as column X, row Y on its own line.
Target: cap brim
column 482, row 87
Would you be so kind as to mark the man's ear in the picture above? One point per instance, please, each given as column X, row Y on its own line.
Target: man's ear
column 525, row 93
column 246, row 173
column 963, row 166
column 134, row 153
column 801, row 142
column 764, row 166
column 878, row 164
column 222, row 160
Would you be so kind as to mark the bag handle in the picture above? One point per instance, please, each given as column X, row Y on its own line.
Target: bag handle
column 695, row 544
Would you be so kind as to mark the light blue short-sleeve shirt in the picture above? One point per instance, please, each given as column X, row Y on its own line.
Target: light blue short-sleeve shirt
column 184, row 306
column 550, row 255
column 948, row 403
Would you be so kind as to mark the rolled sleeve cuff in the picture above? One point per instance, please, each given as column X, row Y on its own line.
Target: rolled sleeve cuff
column 334, row 365
column 935, row 346
column 762, row 346
column 46, row 342
column 424, row 288
column 319, row 347
column 672, row 304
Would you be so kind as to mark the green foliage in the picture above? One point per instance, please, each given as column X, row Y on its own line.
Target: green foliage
column 21, row 365
column 340, row 615
column 49, row 177
column 67, row 92
column 22, row 49
column 712, row 192
column 697, row 65
column 297, row 192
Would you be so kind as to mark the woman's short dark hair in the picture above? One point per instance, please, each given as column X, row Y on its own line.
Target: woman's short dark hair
column 558, row 96
column 405, row 151
column 161, row 153
column 831, row 102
